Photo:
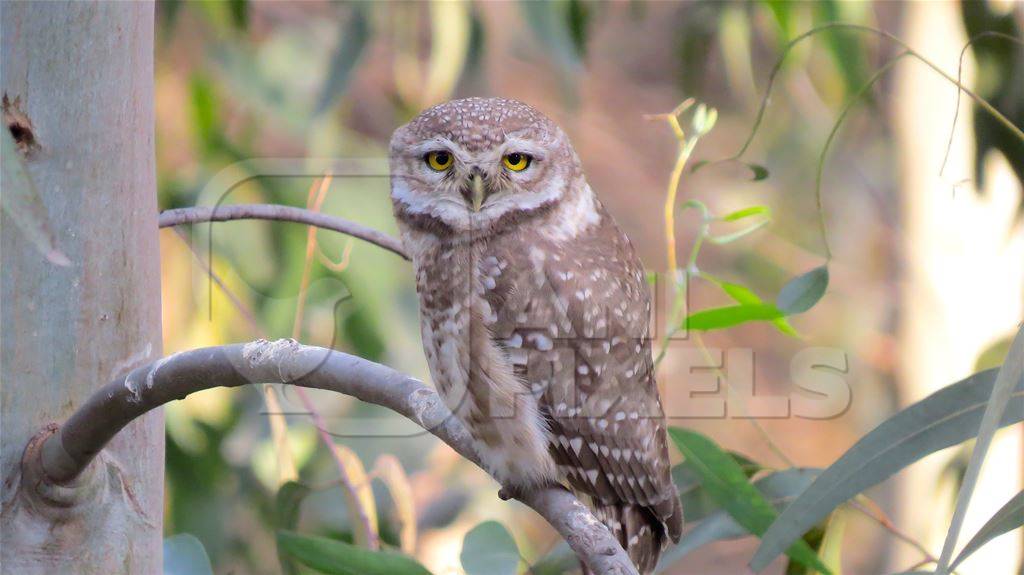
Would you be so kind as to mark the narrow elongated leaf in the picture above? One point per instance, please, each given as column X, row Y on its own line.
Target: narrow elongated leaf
column 731, row 237
column 489, row 549
column 390, row 471
column 185, row 555
column 747, row 212
column 287, row 505
column 1008, row 518
column 943, row 419
column 697, row 504
column 744, row 295
column 339, row 558
column 728, row 316
column 350, row 46
column 1010, row 375
column 725, row 481
column 779, row 488
column 802, row 292
column 20, row 200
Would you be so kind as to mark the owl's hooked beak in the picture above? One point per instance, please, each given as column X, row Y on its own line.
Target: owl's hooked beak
column 476, row 192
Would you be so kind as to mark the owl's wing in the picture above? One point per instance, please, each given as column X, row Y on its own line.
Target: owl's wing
column 573, row 318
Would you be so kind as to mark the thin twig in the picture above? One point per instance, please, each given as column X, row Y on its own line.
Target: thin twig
column 275, row 212
column 959, row 78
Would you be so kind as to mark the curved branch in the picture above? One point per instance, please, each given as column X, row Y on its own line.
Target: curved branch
column 65, row 454
column 199, row 214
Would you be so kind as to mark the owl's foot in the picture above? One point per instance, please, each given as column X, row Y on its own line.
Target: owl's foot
column 507, row 492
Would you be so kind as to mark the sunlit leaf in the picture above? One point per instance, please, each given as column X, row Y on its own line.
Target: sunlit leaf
column 994, row 355
column 728, row 316
column 390, row 471
column 731, row 237
column 489, row 549
column 339, row 558
column 359, row 498
column 744, row 295
column 725, row 482
column 802, row 292
column 831, row 548
column 185, row 555
column 1009, row 377
column 947, row 417
column 20, row 200
column 747, row 212
column 1008, row 518
column 779, row 489
column 352, row 40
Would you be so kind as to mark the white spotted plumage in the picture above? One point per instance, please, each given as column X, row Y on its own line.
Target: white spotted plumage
column 534, row 314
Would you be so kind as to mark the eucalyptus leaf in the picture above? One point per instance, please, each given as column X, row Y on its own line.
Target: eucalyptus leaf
column 725, row 482
column 1010, row 375
column 1008, row 518
column 779, row 489
column 287, row 506
column 185, row 555
column 352, row 39
column 802, row 292
column 758, row 172
column 744, row 295
column 696, row 502
column 489, row 549
column 20, row 200
column 339, row 558
column 945, row 418
column 747, row 212
column 728, row 316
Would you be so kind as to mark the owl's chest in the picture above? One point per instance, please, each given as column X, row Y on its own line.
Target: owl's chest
column 459, row 290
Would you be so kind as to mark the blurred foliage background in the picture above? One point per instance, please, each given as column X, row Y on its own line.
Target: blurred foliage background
column 238, row 80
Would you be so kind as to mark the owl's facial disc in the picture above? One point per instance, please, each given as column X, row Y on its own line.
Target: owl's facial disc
column 478, row 165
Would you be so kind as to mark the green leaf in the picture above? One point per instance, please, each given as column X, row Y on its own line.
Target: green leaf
column 994, row 355
column 744, row 295
column 578, row 17
column 729, row 238
column 747, row 212
column 758, row 172
column 725, row 482
column 1010, row 375
column 20, row 200
column 489, row 549
column 779, row 488
column 339, row 558
column 697, row 504
column 239, row 10
column 945, row 418
column 728, row 316
column 286, row 516
column 351, row 42
column 802, row 292
column 1008, row 518
column 185, row 555
column 550, row 24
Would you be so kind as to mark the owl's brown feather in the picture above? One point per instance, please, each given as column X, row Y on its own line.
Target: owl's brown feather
column 535, row 316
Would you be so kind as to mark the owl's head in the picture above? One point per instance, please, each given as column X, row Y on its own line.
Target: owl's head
column 479, row 166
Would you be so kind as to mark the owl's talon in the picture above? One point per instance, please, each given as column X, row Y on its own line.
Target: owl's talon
column 505, row 494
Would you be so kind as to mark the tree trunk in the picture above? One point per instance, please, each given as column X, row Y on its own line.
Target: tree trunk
column 78, row 76
column 962, row 284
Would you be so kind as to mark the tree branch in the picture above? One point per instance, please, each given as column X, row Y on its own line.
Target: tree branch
column 199, row 214
column 65, row 454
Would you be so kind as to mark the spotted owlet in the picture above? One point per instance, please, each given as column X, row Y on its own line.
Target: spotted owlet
column 534, row 313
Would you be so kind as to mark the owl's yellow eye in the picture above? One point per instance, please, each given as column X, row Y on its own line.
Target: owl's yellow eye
column 439, row 161
column 517, row 162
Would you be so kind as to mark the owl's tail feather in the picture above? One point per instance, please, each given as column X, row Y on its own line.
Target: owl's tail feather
column 640, row 533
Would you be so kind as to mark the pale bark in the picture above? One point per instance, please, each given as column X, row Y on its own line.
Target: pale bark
column 65, row 454
column 81, row 73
